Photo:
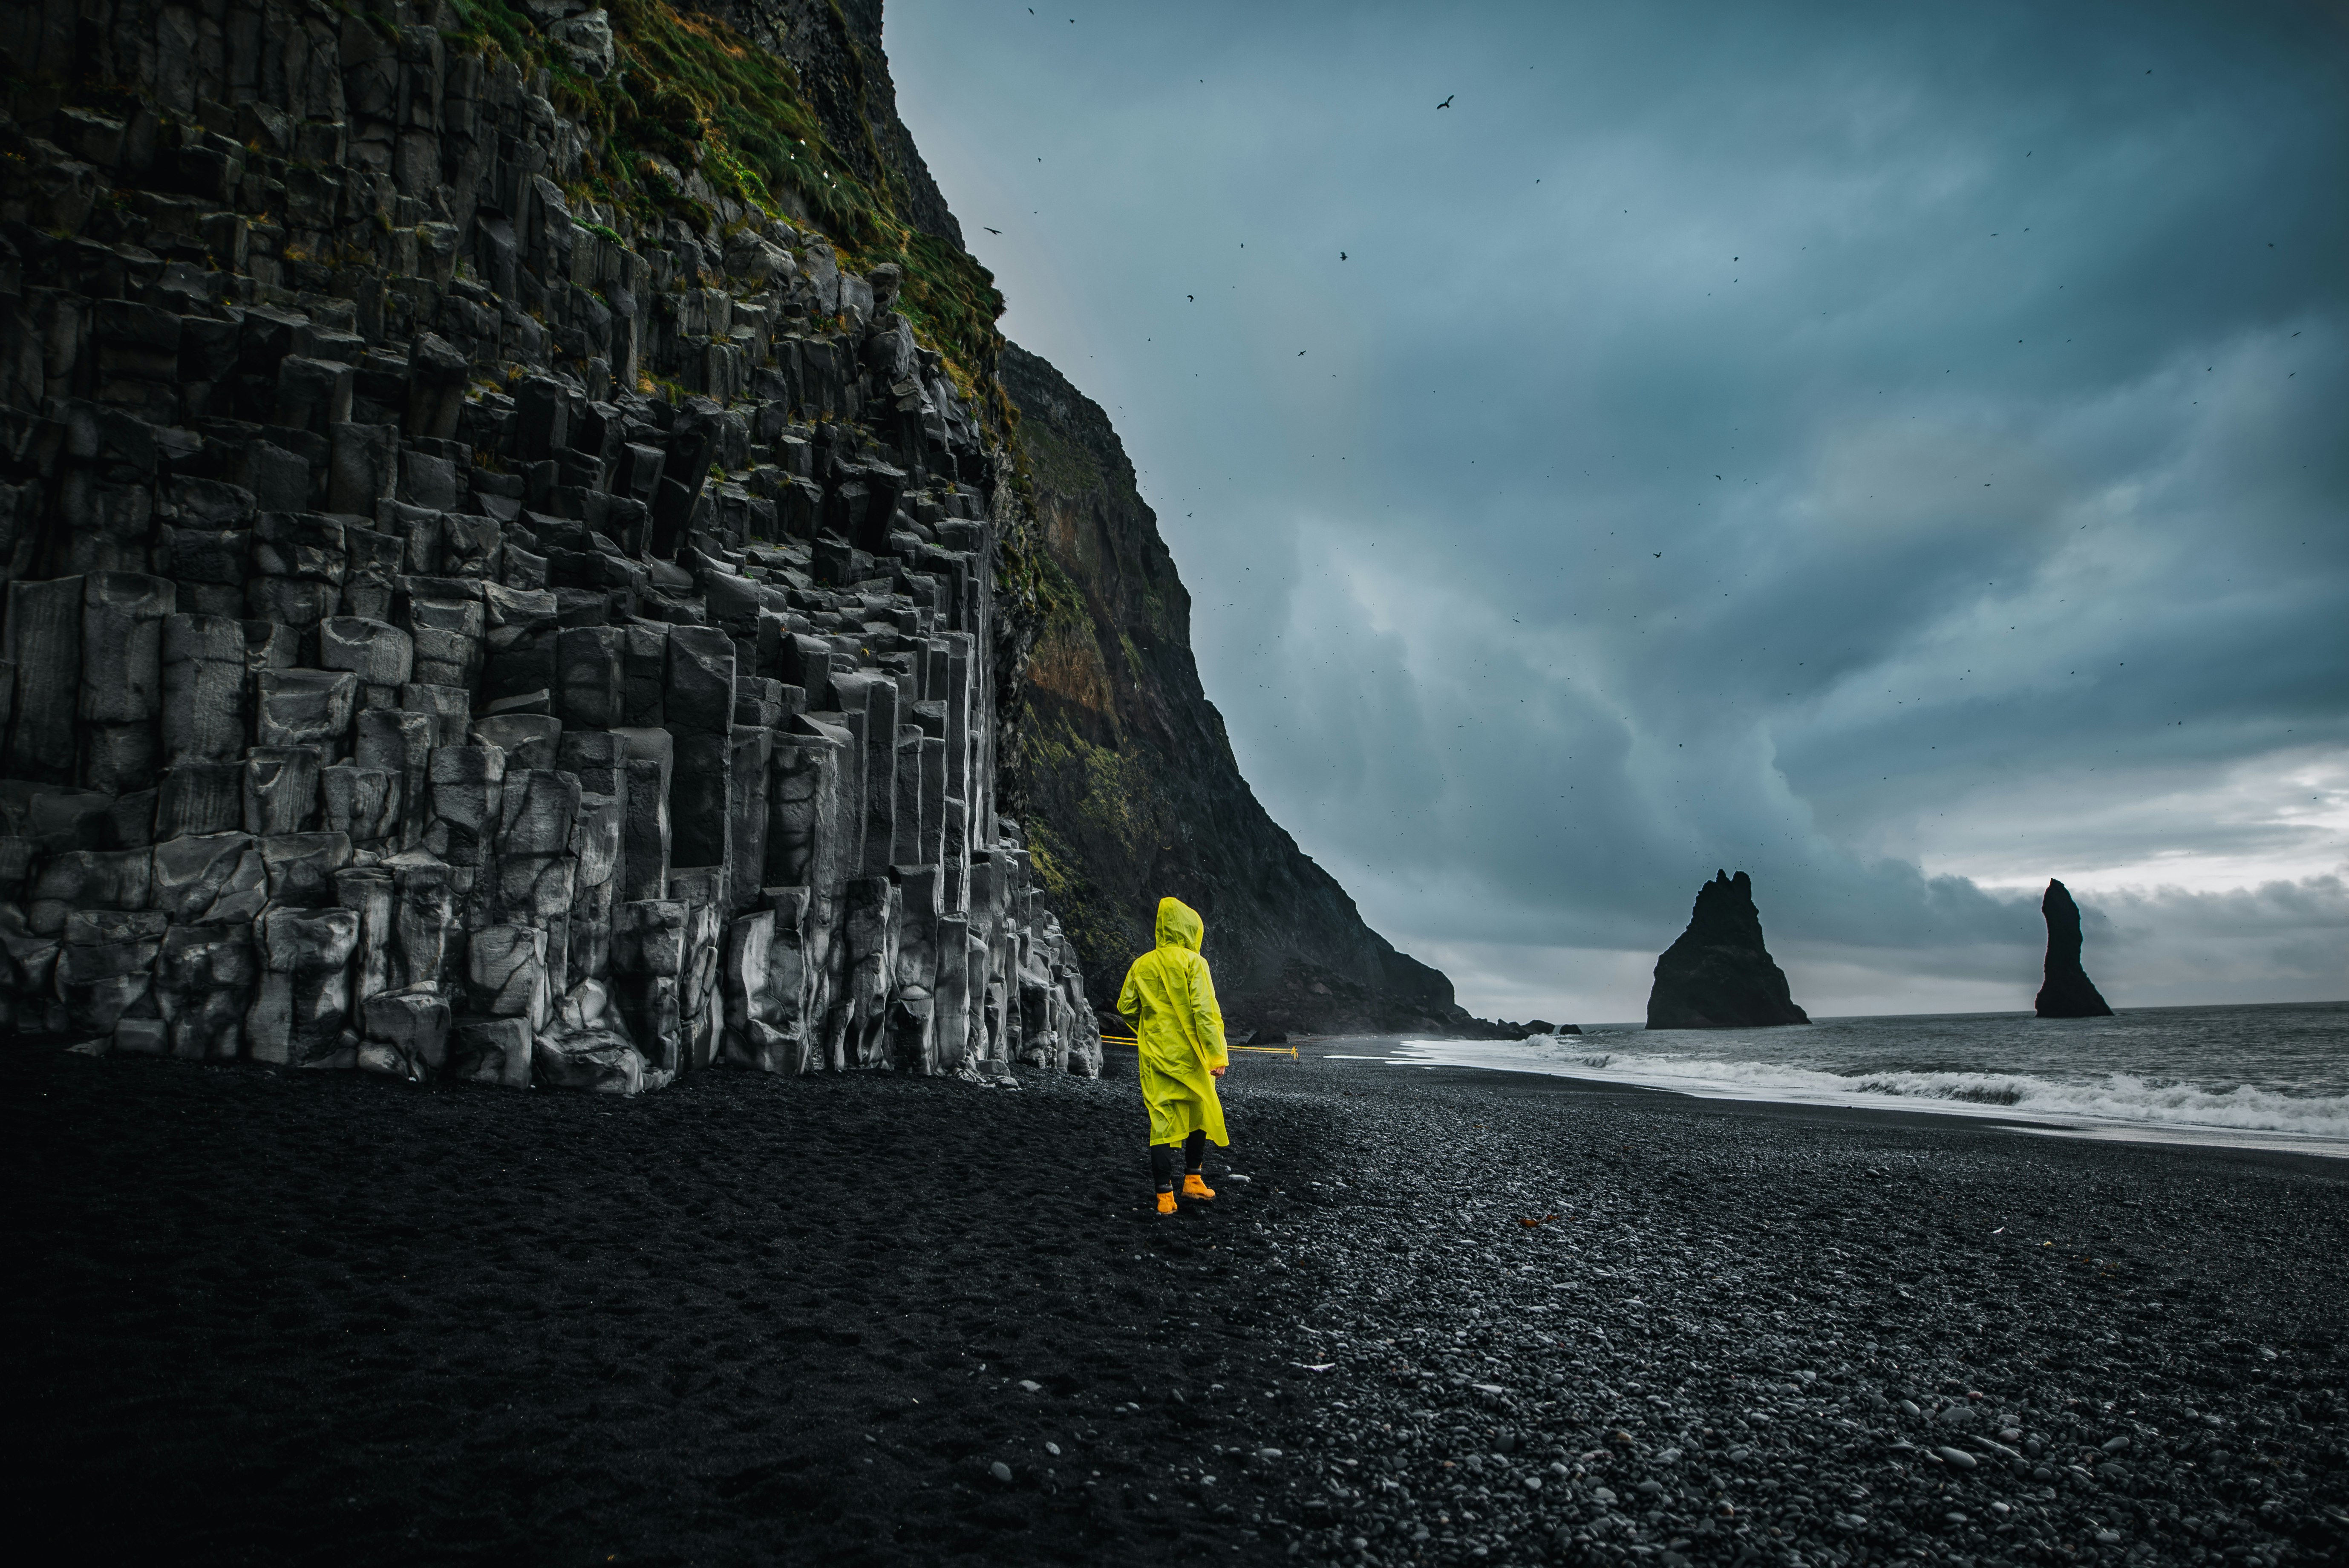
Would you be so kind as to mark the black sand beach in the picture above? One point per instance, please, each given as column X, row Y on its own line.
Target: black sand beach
column 262, row 1318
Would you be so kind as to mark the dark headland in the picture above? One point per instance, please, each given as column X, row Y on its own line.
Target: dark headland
column 2067, row 993
column 1121, row 765
column 1719, row 974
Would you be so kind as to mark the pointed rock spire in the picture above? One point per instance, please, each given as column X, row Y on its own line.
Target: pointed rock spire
column 2068, row 993
column 1719, row 974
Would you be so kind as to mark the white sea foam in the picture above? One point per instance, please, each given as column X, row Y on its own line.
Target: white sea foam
column 2105, row 1100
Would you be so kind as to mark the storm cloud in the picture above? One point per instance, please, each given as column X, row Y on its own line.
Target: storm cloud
column 1899, row 454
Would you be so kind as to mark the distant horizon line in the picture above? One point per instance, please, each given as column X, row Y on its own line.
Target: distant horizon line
column 1640, row 1024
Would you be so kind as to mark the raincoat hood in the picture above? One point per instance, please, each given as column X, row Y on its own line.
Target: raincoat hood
column 1179, row 925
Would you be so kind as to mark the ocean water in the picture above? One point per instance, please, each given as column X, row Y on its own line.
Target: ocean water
column 2269, row 1076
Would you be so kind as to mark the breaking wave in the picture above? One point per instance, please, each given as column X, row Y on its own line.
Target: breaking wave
column 2109, row 1098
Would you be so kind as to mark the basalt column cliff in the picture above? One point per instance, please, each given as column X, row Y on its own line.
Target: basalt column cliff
column 509, row 567
column 1127, row 779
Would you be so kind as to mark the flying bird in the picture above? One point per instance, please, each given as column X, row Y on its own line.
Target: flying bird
column 1341, row 255
column 1300, row 354
column 1447, row 100
column 1193, row 298
column 1659, row 554
column 991, row 231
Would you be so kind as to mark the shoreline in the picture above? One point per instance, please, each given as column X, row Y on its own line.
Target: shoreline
column 1890, row 1117
column 2059, row 1124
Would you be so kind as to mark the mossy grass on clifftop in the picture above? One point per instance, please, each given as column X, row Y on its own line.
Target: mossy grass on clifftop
column 691, row 118
column 688, row 94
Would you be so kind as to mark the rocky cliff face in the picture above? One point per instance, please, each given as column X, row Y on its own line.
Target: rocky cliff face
column 1720, row 974
column 2067, row 991
column 1125, row 778
column 508, row 573
column 834, row 48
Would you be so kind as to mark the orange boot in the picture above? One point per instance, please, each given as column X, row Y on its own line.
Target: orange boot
column 1195, row 1186
column 1165, row 1203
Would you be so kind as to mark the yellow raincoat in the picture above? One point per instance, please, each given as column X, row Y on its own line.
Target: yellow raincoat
column 1170, row 999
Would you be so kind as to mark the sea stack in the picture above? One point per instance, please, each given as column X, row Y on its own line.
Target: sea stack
column 2068, row 993
column 1719, row 974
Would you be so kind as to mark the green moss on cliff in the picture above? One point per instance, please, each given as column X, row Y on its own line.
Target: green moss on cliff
column 1038, row 584
column 1106, row 800
column 1061, row 465
column 1102, row 929
column 1086, row 922
column 691, row 91
column 1105, row 807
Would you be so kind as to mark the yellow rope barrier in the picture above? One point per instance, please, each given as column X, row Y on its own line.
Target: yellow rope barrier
column 1289, row 1051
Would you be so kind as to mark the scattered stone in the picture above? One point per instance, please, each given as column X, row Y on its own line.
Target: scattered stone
column 500, row 1051
column 406, row 1032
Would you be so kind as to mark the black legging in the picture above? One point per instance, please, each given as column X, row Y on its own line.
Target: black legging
column 1162, row 1159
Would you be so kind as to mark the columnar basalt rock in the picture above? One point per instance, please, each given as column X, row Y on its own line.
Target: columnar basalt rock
column 2067, row 991
column 455, row 629
column 1720, row 974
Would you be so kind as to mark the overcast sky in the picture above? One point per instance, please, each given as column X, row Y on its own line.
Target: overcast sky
column 1894, row 452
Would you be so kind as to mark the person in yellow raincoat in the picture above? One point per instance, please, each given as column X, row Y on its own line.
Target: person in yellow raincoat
column 1169, row 1001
